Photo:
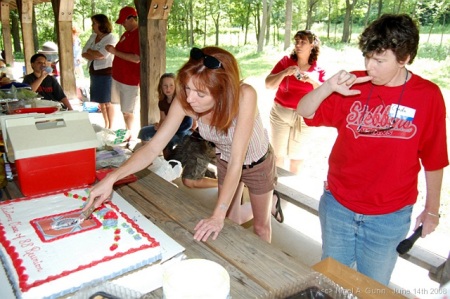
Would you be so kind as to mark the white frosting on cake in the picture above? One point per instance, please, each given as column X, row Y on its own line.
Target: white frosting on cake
column 53, row 256
column 196, row 279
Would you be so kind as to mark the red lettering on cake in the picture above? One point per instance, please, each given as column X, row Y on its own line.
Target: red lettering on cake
column 15, row 226
column 18, row 236
column 7, row 211
column 34, row 259
column 26, row 243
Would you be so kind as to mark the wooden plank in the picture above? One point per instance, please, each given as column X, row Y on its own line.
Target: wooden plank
column 63, row 15
column 267, row 265
column 6, row 33
column 153, row 62
column 160, row 9
column 65, row 11
column 425, row 259
column 26, row 16
column 288, row 186
column 66, row 59
column 240, row 284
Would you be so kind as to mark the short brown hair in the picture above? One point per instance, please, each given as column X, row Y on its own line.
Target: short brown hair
column 398, row 33
column 104, row 25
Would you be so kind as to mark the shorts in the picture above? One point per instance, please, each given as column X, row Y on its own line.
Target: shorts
column 100, row 89
column 125, row 95
column 285, row 132
column 195, row 155
column 259, row 179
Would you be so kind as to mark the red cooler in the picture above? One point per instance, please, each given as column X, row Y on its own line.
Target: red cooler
column 51, row 152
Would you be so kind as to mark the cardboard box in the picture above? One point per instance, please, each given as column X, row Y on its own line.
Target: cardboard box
column 360, row 285
column 51, row 152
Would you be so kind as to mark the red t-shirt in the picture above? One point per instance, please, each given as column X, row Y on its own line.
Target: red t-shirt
column 378, row 173
column 291, row 90
column 124, row 71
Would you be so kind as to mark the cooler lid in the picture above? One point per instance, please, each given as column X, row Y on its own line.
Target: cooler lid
column 45, row 134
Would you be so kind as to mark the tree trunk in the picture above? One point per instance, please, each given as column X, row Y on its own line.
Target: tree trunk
column 311, row 5
column 288, row 25
column 191, row 25
column 262, row 29
column 429, row 32
column 366, row 18
column 348, row 13
column 217, row 26
column 35, row 33
column 247, row 22
column 329, row 18
column 204, row 25
column 269, row 12
column 15, row 32
column 257, row 20
column 399, row 6
column 380, row 7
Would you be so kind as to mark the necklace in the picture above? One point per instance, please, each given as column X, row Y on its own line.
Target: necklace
column 360, row 130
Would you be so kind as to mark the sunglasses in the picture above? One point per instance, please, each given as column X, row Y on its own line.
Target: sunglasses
column 208, row 61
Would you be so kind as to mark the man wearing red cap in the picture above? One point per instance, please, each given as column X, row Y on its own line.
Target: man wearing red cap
column 126, row 66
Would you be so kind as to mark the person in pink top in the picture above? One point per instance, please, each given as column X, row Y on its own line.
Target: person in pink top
column 293, row 76
column 390, row 123
column 209, row 90
column 126, row 67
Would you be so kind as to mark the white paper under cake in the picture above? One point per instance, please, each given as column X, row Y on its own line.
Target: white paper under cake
column 53, row 260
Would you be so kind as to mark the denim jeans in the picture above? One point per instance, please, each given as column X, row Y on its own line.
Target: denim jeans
column 147, row 133
column 365, row 242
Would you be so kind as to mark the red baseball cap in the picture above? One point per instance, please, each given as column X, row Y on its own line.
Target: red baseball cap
column 126, row 12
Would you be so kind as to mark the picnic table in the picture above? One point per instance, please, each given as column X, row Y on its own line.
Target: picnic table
column 257, row 269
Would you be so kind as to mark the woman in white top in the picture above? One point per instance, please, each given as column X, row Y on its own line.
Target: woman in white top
column 100, row 65
column 209, row 90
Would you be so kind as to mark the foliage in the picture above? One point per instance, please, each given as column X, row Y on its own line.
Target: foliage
column 434, row 52
column 234, row 25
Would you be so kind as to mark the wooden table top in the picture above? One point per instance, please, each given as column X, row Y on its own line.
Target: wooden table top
column 257, row 269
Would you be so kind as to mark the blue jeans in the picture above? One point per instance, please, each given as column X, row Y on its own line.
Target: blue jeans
column 365, row 242
column 147, row 133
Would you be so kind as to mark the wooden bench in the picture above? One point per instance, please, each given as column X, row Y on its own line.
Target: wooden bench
column 306, row 195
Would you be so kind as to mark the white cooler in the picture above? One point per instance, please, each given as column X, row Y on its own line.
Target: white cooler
column 50, row 152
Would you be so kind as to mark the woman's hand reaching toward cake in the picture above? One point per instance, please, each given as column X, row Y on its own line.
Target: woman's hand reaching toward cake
column 101, row 192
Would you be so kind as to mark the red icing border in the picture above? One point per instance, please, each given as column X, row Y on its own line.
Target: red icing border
column 21, row 271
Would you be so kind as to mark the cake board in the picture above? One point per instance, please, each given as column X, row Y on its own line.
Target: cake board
column 171, row 252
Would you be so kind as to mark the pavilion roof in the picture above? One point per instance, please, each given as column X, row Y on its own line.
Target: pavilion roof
column 13, row 5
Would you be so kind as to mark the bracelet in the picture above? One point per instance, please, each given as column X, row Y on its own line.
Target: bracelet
column 431, row 214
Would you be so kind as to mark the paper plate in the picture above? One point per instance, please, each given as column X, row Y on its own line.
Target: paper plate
column 46, row 110
column 196, row 278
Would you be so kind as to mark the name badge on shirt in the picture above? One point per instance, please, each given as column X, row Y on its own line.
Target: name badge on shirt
column 403, row 113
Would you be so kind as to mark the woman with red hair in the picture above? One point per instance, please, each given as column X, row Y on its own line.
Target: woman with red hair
column 209, row 90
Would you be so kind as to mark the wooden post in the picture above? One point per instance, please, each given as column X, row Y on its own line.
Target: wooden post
column 65, row 46
column 152, row 34
column 25, row 9
column 6, row 33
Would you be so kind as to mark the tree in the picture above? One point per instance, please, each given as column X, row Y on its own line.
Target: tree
column 366, row 19
column 288, row 25
column 311, row 6
column 265, row 18
column 346, row 35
